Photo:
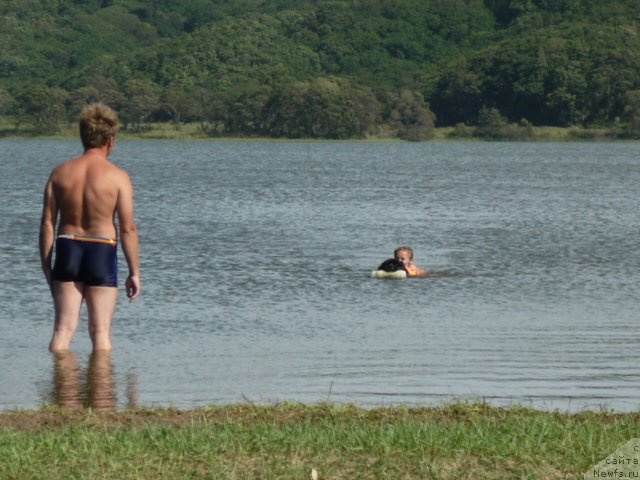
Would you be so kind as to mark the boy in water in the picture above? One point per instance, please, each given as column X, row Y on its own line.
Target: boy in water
column 405, row 255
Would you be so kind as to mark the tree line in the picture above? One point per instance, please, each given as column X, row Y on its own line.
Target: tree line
column 325, row 69
column 319, row 108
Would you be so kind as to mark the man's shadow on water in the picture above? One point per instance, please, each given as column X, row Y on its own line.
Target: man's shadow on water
column 94, row 388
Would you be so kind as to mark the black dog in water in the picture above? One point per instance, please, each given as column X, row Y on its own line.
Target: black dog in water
column 391, row 265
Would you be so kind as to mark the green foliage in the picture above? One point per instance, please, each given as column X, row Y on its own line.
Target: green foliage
column 490, row 123
column 141, row 99
column 180, row 101
column 325, row 69
column 7, row 102
column 241, row 113
column 43, row 106
column 493, row 126
column 410, row 116
column 79, row 98
column 575, row 75
column 632, row 114
column 322, row 108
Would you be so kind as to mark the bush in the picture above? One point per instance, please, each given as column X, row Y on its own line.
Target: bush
column 462, row 130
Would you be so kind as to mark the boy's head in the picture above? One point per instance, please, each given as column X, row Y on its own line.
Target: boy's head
column 98, row 124
column 403, row 254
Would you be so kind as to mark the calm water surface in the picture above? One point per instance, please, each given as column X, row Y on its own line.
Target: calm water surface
column 256, row 259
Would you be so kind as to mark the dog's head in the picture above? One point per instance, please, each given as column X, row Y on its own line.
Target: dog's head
column 391, row 265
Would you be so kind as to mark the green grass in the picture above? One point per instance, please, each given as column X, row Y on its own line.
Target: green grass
column 287, row 441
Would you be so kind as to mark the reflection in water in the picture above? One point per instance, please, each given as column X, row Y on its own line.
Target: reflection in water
column 95, row 388
column 66, row 380
column 101, row 388
column 133, row 396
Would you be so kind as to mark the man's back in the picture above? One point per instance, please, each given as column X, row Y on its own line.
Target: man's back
column 86, row 192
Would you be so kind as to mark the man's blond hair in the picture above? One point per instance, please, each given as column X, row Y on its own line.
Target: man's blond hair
column 409, row 251
column 98, row 123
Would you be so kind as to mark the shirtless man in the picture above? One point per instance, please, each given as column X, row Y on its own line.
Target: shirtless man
column 88, row 192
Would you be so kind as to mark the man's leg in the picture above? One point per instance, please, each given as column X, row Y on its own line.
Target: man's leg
column 101, row 303
column 67, row 300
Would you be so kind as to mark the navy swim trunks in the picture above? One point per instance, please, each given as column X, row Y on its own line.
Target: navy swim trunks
column 90, row 260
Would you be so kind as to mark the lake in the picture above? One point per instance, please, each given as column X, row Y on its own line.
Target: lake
column 256, row 262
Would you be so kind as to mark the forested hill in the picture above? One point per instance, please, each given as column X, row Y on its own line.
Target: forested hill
column 326, row 69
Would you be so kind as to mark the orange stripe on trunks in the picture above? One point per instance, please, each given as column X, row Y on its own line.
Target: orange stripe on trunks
column 89, row 238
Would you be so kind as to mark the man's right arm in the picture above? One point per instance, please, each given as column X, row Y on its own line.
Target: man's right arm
column 129, row 236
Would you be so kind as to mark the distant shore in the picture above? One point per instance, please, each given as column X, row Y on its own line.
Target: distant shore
column 290, row 441
column 195, row 131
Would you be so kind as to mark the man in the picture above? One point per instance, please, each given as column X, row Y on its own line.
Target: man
column 88, row 192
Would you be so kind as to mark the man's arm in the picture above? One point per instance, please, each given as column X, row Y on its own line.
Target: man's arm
column 48, row 230
column 129, row 236
column 421, row 272
column 416, row 271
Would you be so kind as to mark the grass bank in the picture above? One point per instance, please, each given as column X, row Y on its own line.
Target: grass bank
column 287, row 441
column 194, row 131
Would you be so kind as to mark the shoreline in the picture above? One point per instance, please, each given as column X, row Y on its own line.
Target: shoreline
column 459, row 407
column 458, row 440
column 193, row 132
